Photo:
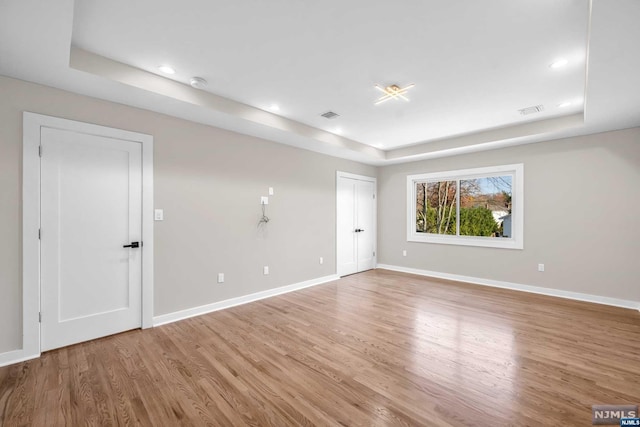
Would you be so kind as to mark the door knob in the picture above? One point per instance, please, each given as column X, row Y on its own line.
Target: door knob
column 359, row 230
column 132, row 245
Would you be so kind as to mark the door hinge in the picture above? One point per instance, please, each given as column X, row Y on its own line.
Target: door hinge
column 374, row 253
column 374, row 196
column 40, row 150
column 39, row 233
column 39, row 317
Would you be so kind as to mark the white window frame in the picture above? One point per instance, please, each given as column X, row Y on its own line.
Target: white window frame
column 517, row 204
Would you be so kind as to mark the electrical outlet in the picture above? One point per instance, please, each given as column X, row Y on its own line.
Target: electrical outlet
column 265, row 270
column 158, row 215
column 404, row 253
column 220, row 277
column 540, row 267
column 321, row 260
column 271, row 191
column 264, row 200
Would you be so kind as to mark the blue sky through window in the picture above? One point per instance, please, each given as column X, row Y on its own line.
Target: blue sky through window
column 495, row 184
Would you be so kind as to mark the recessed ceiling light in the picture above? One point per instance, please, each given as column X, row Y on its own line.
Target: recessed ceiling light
column 274, row 107
column 559, row 63
column 564, row 104
column 166, row 69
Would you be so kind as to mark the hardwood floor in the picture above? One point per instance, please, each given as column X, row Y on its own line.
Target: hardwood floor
column 378, row 348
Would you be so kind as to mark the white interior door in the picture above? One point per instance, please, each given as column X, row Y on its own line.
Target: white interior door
column 355, row 224
column 91, row 207
column 346, row 237
column 365, row 207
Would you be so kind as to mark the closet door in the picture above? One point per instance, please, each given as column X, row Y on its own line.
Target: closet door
column 355, row 223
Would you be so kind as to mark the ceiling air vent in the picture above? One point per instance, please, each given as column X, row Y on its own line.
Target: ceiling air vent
column 330, row 115
column 531, row 110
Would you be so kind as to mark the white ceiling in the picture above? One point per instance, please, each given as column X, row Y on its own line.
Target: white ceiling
column 474, row 65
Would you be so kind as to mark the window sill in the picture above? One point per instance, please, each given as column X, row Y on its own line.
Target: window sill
column 486, row 242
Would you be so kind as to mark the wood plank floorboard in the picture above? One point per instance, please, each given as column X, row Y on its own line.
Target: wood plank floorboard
column 379, row 348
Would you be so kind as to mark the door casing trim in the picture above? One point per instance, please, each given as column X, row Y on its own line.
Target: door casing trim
column 32, row 123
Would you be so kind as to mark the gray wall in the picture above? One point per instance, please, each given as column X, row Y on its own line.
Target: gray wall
column 581, row 209
column 581, row 219
column 209, row 182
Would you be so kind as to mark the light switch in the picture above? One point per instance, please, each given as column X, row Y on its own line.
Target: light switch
column 158, row 215
column 271, row 191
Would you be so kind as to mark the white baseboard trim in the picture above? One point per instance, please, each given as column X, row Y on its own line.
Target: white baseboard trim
column 15, row 356
column 635, row 305
column 220, row 305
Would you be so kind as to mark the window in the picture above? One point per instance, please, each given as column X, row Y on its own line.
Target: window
column 473, row 207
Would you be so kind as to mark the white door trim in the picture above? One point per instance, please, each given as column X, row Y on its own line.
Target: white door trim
column 340, row 174
column 31, row 220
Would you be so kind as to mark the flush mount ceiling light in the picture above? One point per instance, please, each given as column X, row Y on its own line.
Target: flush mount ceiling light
column 559, row 63
column 198, row 82
column 167, row 69
column 393, row 92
